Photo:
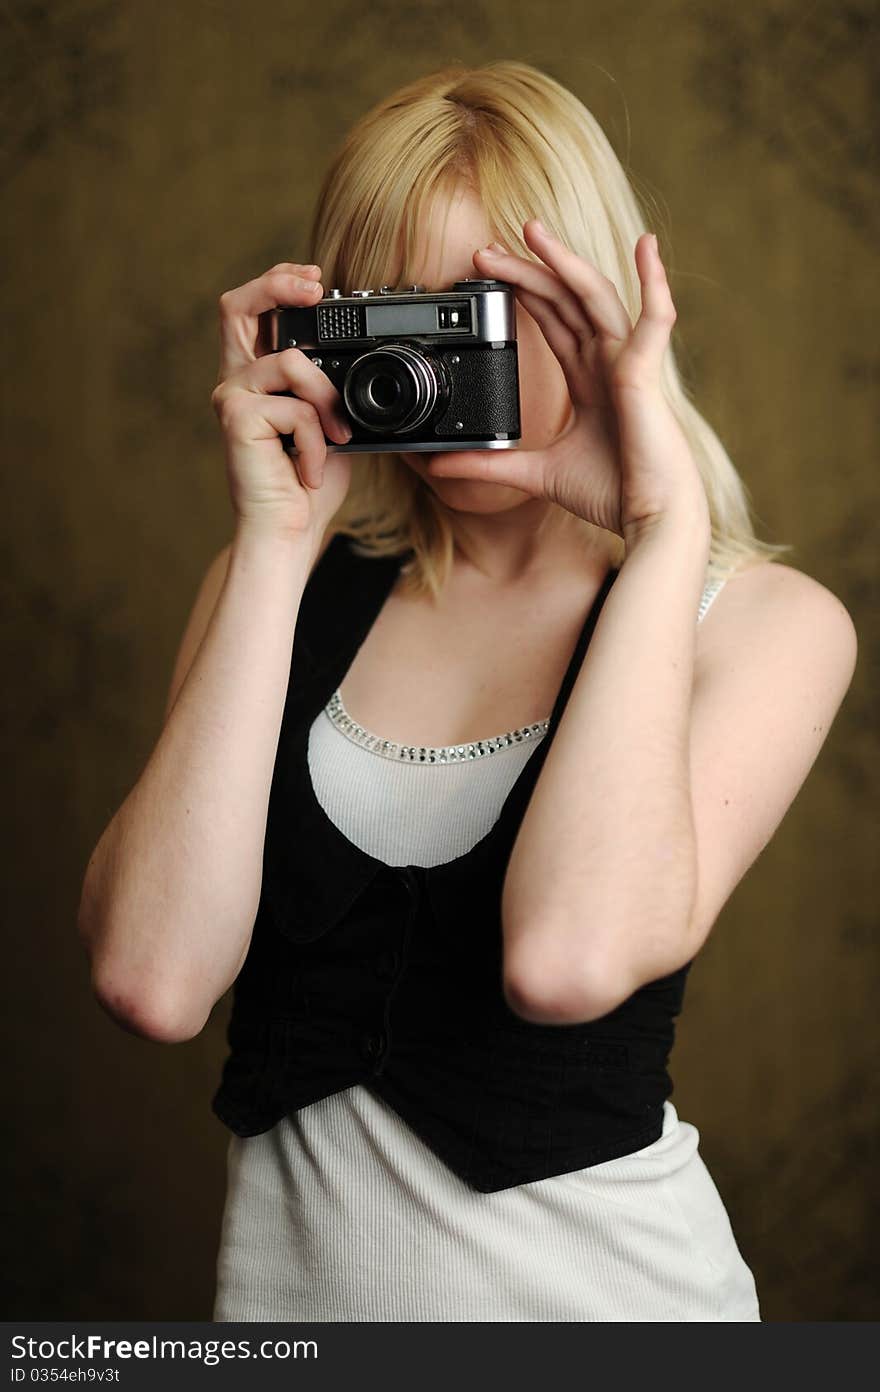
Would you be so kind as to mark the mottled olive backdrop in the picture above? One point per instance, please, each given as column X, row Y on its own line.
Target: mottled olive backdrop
column 154, row 155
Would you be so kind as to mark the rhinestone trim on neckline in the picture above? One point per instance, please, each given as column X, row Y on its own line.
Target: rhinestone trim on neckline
column 428, row 754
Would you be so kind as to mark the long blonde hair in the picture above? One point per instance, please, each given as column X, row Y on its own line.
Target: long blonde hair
column 531, row 149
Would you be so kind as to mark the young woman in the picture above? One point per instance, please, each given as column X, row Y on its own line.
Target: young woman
column 612, row 552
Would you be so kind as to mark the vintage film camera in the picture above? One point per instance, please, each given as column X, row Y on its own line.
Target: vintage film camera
column 415, row 370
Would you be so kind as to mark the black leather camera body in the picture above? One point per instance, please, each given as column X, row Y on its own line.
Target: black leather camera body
column 416, row 370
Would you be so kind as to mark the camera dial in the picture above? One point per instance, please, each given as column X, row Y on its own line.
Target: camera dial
column 468, row 284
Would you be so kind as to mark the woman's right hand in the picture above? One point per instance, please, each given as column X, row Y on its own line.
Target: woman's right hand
column 268, row 487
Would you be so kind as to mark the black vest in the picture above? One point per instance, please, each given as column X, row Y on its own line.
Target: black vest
column 363, row 973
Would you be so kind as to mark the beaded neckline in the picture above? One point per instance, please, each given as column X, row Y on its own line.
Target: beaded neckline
column 455, row 753
column 428, row 754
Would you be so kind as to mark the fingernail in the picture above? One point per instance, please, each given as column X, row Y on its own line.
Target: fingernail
column 497, row 246
column 536, row 222
column 654, row 243
column 490, row 250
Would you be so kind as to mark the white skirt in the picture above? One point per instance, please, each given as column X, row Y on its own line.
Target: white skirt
column 342, row 1213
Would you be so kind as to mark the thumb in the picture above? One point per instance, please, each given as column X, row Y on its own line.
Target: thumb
column 515, row 468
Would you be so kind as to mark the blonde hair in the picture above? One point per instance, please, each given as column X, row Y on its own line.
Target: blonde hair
column 530, row 148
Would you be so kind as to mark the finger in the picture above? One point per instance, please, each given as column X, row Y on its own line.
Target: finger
column 539, row 281
column 297, row 269
column 563, row 342
column 292, row 370
column 650, row 337
column 515, row 468
column 596, row 292
column 248, row 419
column 268, row 290
column 308, row 453
column 240, row 309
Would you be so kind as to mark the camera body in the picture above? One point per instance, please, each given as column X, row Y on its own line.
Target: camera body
column 416, row 370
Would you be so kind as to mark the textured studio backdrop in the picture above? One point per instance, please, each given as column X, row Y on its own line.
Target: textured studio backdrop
column 154, row 155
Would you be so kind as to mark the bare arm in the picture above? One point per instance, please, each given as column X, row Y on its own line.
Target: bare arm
column 172, row 889
column 610, row 820
column 668, row 776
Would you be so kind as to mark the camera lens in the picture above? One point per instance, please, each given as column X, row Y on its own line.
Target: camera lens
column 384, row 391
column 394, row 388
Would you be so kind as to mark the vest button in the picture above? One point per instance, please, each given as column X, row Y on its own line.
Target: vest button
column 387, row 965
column 372, row 1045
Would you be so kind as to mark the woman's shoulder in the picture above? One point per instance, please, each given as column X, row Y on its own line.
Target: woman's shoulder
column 767, row 601
column 769, row 582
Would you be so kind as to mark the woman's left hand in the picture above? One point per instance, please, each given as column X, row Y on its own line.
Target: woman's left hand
column 623, row 461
